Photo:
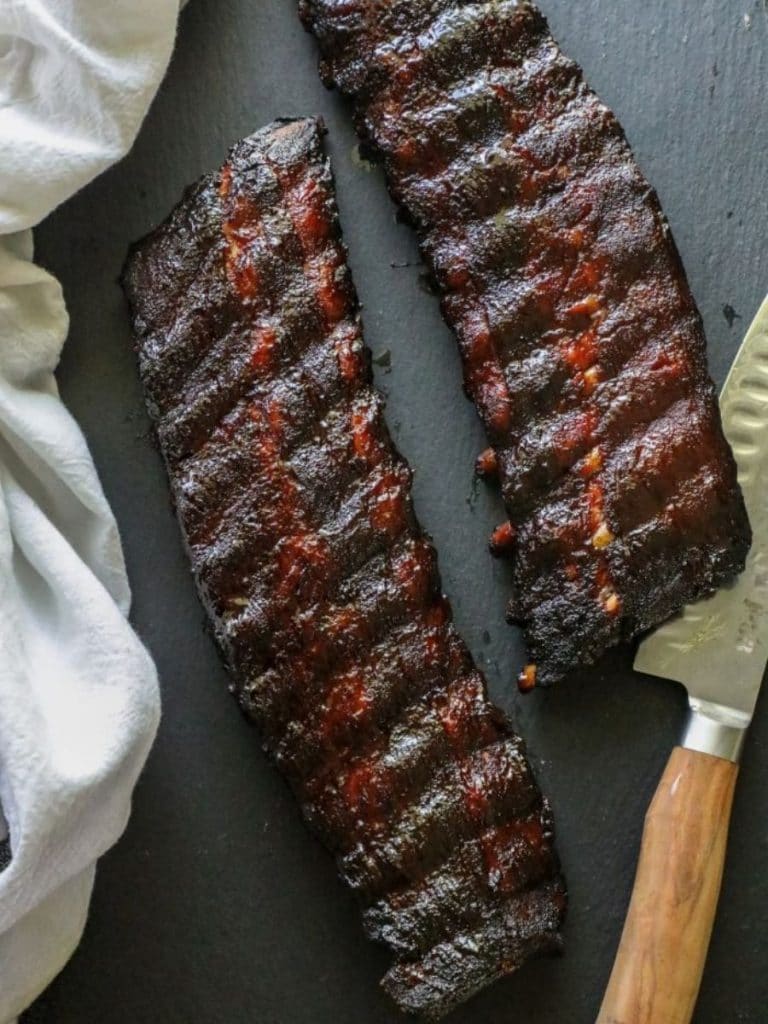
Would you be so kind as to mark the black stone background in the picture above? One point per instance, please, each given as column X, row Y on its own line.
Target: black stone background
column 216, row 906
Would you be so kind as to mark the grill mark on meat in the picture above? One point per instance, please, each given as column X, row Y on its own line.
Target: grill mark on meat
column 548, row 242
column 478, row 183
column 312, row 392
column 485, row 788
column 256, row 347
column 364, row 693
column 470, row 960
column 312, row 631
column 505, row 859
column 578, row 331
column 384, row 777
column 326, row 478
column 341, row 559
column 322, row 589
column 637, row 395
column 560, row 395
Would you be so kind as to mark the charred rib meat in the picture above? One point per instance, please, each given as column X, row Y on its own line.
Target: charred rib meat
column 582, row 345
column 321, row 586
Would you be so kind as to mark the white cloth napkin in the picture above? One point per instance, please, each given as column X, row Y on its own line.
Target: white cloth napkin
column 78, row 692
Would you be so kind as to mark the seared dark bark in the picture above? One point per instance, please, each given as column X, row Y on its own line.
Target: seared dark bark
column 321, row 586
column 582, row 345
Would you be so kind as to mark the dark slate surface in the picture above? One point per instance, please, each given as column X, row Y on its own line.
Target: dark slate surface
column 216, row 907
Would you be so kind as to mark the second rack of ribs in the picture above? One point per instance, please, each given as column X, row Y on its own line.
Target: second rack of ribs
column 322, row 587
column 582, row 345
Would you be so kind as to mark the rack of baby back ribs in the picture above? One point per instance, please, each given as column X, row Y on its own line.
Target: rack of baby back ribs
column 321, row 586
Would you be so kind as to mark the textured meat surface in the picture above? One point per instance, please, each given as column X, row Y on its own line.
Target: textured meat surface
column 322, row 588
column 582, row 345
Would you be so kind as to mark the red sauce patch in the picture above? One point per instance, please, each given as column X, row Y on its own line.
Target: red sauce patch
column 493, row 397
column 455, row 712
column 307, row 203
column 412, row 571
column 275, row 417
column 365, row 443
column 225, row 181
column 434, row 645
column 401, row 66
column 518, row 121
column 510, row 852
column 264, row 342
column 571, row 571
column 241, row 227
column 595, row 499
column 347, row 625
column 387, row 508
column 347, row 701
column 602, row 576
column 477, row 338
column 435, row 638
column 476, row 797
column 406, row 152
column 362, row 790
column 487, row 465
column 587, row 276
column 464, row 714
column 584, row 307
column 575, row 434
column 673, row 364
column 503, row 538
column 303, row 562
column 457, row 277
column 581, row 352
column 437, row 615
column 329, row 280
column 241, row 271
column 349, row 353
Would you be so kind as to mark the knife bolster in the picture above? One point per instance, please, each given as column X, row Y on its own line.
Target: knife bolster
column 715, row 731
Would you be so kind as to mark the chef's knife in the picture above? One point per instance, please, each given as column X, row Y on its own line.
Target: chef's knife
column 718, row 649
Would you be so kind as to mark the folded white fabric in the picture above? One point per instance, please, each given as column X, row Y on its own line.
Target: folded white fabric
column 78, row 692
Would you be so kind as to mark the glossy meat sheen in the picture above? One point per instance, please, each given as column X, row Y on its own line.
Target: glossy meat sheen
column 322, row 588
column 582, row 345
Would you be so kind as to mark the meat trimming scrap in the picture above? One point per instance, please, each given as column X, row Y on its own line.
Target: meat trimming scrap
column 322, row 588
column 581, row 342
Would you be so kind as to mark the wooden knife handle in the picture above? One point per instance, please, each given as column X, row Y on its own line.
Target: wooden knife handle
column 658, row 967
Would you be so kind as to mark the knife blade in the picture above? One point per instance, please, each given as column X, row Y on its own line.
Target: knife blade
column 718, row 649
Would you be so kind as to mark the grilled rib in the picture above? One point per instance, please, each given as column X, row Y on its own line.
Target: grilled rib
column 321, row 586
column 581, row 342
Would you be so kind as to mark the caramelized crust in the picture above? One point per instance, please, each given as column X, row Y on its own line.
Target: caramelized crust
column 321, row 586
column 582, row 345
